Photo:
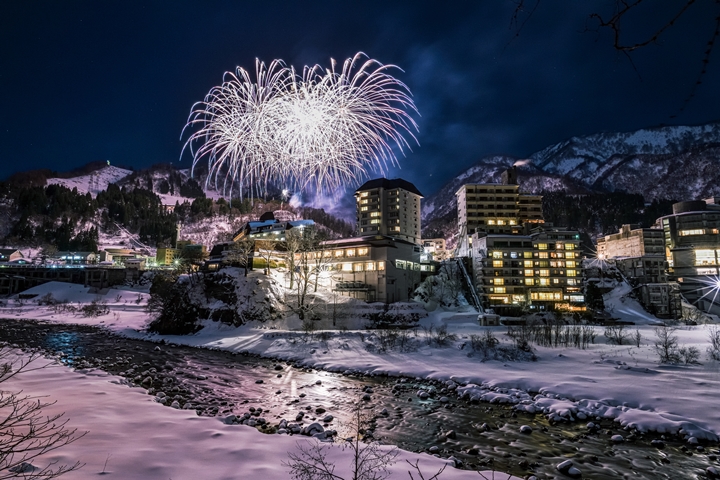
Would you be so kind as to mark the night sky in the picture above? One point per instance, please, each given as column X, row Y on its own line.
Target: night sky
column 107, row 80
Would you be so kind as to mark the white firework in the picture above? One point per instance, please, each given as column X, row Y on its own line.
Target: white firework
column 321, row 129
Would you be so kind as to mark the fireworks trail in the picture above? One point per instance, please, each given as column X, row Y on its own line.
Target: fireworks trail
column 319, row 129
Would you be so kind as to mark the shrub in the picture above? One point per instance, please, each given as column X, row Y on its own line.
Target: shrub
column 689, row 355
column 713, row 350
column 96, row 308
column 616, row 334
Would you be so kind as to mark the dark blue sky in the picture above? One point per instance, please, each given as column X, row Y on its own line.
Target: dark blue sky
column 95, row 80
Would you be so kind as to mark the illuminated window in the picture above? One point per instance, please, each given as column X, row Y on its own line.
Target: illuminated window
column 543, row 255
column 571, row 273
column 363, row 202
column 542, row 246
column 491, row 222
column 500, row 289
column 570, row 264
column 696, row 231
column 374, row 221
column 369, row 266
column 569, row 246
column 501, row 222
column 560, row 246
column 499, row 281
column 497, row 263
column 358, row 267
column 400, row 264
column 528, row 263
column 527, row 254
column 497, row 254
column 375, row 214
column 396, row 229
column 546, row 296
column 381, row 265
column 347, row 267
column 364, row 194
column 544, row 282
column 556, row 280
column 513, row 222
column 570, row 255
column 528, row 273
column 571, row 281
column 529, row 281
column 338, row 253
column 706, row 257
column 350, row 252
column 362, row 251
column 544, row 273
column 363, row 209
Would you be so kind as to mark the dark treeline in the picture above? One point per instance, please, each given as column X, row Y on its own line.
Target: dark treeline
column 67, row 219
column 602, row 213
column 339, row 227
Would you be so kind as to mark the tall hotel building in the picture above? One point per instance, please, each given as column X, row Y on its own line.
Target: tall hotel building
column 390, row 208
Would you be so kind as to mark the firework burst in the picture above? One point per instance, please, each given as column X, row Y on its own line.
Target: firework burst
column 319, row 129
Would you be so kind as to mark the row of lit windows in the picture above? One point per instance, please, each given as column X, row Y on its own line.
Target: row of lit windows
column 558, row 246
column 529, row 254
column 531, row 282
column 405, row 265
column 699, row 231
column 707, row 257
column 339, row 253
column 502, row 222
column 546, row 273
column 542, row 263
column 361, row 267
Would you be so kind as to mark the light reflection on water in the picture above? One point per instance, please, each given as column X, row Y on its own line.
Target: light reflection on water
column 228, row 382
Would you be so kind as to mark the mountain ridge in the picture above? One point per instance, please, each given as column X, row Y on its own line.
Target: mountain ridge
column 668, row 162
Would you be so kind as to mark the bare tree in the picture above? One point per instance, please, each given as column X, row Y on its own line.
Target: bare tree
column 369, row 461
column 241, row 253
column 294, row 244
column 666, row 344
column 25, row 432
column 267, row 249
column 622, row 15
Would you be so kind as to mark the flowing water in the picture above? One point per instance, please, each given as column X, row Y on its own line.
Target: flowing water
column 480, row 435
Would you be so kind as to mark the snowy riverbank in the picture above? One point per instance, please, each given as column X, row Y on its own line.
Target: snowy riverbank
column 625, row 383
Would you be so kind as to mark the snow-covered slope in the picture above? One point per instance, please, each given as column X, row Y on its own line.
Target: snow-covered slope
column 679, row 162
column 94, row 182
column 672, row 162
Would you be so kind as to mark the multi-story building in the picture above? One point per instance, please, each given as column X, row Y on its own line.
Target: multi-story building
column 642, row 270
column 166, row 256
column 540, row 271
column 269, row 228
column 390, row 208
column 639, row 253
column 497, row 208
column 692, row 249
column 435, row 249
column 374, row 268
column 632, row 241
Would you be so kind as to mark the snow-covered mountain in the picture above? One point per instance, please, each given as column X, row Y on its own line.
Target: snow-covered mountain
column 94, row 182
column 679, row 162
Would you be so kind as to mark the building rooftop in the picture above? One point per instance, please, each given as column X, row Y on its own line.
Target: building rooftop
column 388, row 184
column 366, row 240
